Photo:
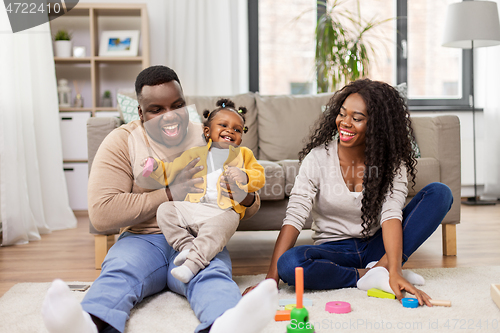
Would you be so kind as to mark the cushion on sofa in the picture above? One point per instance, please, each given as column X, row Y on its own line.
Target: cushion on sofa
column 291, row 169
column 285, row 122
column 275, row 181
column 250, row 138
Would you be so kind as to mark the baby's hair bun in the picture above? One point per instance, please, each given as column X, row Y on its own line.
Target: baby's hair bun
column 206, row 113
column 224, row 103
column 245, row 129
column 242, row 110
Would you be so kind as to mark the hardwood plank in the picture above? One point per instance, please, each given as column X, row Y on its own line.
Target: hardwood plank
column 69, row 254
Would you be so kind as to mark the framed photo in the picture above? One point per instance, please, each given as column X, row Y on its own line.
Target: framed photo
column 120, row 43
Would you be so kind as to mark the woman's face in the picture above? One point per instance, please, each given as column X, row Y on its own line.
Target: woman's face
column 163, row 113
column 351, row 121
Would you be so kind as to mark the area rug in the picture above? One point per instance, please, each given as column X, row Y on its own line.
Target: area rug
column 468, row 289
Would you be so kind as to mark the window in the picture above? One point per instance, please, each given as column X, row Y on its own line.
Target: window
column 286, row 46
column 408, row 50
column 436, row 75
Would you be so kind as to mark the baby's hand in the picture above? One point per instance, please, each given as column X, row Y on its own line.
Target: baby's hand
column 235, row 174
column 144, row 161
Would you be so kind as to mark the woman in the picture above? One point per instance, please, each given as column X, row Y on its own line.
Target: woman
column 353, row 180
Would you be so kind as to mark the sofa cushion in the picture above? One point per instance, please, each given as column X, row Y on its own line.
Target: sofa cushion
column 285, row 122
column 291, row 170
column 427, row 172
column 250, row 138
column 275, row 181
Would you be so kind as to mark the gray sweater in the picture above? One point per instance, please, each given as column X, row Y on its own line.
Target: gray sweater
column 320, row 190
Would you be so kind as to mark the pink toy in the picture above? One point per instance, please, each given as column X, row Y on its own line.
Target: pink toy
column 148, row 167
column 338, row 307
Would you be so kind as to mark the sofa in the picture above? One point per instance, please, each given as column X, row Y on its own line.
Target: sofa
column 278, row 127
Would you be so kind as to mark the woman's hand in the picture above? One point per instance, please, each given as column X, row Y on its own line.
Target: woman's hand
column 184, row 182
column 398, row 283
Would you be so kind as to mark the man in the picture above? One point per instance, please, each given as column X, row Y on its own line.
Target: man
column 139, row 264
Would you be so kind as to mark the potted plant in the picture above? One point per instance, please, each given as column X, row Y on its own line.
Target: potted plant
column 62, row 41
column 106, row 99
column 342, row 47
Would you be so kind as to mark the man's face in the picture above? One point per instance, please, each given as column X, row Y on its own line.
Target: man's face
column 163, row 113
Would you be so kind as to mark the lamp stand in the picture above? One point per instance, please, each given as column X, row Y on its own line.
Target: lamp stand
column 474, row 201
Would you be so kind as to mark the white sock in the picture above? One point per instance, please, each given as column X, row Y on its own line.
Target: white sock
column 412, row 277
column 182, row 273
column 62, row 313
column 181, row 257
column 377, row 277
column 252, row 313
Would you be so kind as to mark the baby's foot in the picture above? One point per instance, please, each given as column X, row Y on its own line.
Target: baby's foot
column 181, row 257
column 62, row 313
column 182, row 273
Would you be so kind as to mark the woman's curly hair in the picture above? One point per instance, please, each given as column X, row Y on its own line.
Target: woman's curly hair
column 388, row 141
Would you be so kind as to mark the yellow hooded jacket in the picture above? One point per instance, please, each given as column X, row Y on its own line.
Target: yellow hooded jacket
column 240, row 157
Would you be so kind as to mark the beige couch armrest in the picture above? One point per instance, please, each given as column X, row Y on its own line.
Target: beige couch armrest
column 439, row 137
column 97, row 129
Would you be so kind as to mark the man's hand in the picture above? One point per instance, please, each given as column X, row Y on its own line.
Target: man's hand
column 184, row 183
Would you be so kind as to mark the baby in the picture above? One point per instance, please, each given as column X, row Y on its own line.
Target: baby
column 201, row 226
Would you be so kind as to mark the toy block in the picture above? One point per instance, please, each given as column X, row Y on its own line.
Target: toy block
column 299, row 317
column 338, row 307
column 437, row 302
column 306, row 301
column 495, row 293
column 282, row 315
column 410, row 302
column 380, row 294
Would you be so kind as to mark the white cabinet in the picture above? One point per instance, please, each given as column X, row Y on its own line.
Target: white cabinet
column 76, row 179
column 74, row 135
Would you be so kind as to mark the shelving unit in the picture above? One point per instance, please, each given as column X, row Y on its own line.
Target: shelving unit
column 94, row 74
column 87, row 21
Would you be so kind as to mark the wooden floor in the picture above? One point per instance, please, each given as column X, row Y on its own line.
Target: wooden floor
column 69, row 254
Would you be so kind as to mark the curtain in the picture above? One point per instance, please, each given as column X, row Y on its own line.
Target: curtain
column 207, row 45
column 33, row 194
column 489, row 74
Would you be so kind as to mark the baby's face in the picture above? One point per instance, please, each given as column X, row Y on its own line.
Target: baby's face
column 226, row 129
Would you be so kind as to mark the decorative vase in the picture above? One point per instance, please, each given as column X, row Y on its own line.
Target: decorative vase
column 64, row 93
column 63, row 48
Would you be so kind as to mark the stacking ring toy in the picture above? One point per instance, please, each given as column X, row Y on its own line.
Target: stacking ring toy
column 410, row 302
column 338, row 307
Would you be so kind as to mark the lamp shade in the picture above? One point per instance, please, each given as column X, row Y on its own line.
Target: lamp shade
column 469, row 21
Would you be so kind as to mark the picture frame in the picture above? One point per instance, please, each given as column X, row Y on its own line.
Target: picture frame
column 119, row 43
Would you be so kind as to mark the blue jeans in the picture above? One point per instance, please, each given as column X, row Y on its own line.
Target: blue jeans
column 333, row 265
column 138, row 266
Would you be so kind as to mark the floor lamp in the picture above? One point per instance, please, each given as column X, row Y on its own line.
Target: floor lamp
column 469, row 25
